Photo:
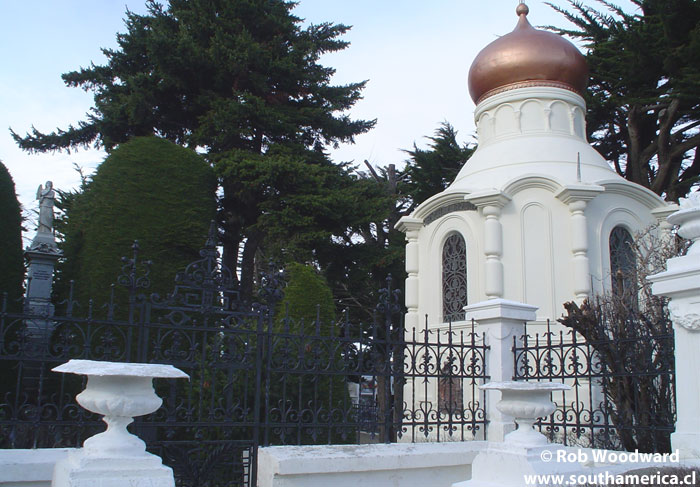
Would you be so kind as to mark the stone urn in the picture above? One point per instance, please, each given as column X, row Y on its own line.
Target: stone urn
column 526, row 402
column 119, row 392
column 680, row 281
column 688, row 220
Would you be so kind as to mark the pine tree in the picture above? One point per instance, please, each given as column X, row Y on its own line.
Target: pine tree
column 430, row 171
column 234, row 79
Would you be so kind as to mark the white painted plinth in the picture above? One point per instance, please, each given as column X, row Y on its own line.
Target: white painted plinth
column 507, row 464
column 81, row 470
column 681, row 283
column 30, row 467
column 116, row 458
column 503, row 321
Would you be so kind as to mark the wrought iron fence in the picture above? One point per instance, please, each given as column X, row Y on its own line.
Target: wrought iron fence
column 255, row 379
column 443, row 369
column 609, row 405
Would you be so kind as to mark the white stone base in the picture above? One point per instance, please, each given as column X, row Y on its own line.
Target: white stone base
column 506, row 465
column 82, row 470
column 29, row 468
column 688, row 444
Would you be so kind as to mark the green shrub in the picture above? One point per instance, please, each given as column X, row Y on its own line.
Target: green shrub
column 309, row 384
column 150, row 190
column 11, row 255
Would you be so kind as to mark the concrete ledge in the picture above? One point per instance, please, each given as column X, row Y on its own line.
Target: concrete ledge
column 408, row 465
column 29, row 468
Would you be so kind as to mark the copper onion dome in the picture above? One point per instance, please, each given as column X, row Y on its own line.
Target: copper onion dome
column 527, row 57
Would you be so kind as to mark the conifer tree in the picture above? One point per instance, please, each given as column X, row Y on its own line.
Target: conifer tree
column 644, row 91
column 430, row 171
column 307, row 299
column 11, row 257
column 233, row 79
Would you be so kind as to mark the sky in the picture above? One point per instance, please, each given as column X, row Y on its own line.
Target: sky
column 415, row 55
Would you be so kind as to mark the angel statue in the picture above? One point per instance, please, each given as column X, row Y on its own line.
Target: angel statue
column 46, row 196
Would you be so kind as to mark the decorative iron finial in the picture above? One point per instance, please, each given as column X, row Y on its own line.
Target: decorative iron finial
column 389, row 299
column 129, row 277
column 212, row 235
column 272, row 282
column 522, row 9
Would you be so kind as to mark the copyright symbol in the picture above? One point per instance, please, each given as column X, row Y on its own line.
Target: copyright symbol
column 546, row 456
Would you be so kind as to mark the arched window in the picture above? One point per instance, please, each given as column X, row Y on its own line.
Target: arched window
column 623, row 268
column 454, row 278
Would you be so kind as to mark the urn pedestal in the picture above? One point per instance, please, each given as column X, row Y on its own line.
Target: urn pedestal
column 524, row 451
column 116, row 458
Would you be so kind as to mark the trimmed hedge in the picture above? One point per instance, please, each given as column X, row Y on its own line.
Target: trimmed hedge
column 148, row 189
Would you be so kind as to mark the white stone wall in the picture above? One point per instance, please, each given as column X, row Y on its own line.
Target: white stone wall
column 407, row 465
column 29, row 468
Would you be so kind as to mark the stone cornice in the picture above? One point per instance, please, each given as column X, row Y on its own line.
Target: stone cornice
column 439, row 200
column 490, row 197
column 578, row 192
column 663, row 212
column 409, row 224
column 645, row 196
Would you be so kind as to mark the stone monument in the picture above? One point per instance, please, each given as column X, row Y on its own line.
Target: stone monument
column 42, row 255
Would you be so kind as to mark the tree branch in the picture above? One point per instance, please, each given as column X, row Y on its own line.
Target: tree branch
column 373, row 172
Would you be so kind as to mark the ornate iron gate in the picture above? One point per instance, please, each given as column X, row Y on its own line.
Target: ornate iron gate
column 254, row 379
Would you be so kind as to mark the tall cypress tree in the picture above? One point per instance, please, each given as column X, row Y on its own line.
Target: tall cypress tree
column 11, row 257
column 234, row 79
column 644, row 91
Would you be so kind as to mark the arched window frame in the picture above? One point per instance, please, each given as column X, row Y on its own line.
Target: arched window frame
column 454, row 277
column 623, row 265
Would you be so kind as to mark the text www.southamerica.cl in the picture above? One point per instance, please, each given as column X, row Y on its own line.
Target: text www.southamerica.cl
column 636, row 458
column 607, row 478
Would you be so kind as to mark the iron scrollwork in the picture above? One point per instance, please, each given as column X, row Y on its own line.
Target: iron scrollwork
column 454, row 278
column 256, row 379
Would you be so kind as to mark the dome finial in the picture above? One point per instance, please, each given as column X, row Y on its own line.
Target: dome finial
column 527, row 57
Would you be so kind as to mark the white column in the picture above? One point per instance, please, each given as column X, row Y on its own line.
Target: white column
column 490, row 204
column 503, row 322
column 411, row 227
column 681, row 283
column 579, row 247
column 577, row 198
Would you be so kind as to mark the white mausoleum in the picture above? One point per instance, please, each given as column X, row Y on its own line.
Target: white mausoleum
column 534, row 214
